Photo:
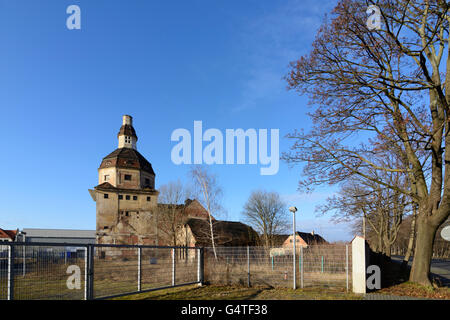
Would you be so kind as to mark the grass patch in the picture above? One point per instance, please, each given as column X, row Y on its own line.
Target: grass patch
column 243, row 293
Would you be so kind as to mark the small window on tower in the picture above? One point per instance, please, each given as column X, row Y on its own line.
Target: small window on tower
column 127, row 177
column 127, row 197
column 120, row 197
column 134, row 197
column 106, row 196
column 106, row 177
column 148, row 198
column 147, row 181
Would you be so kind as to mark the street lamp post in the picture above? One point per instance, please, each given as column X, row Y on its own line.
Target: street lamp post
column 294, row 210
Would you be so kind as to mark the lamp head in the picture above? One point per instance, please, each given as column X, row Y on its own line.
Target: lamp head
column 293, row 209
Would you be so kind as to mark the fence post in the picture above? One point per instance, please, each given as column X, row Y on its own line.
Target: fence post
column 11, row 272
column 322, row 264
column 24, row 260
column 302, row 262
column 85, row 273
column 346, row 264
column 359, row 264
column 139, row 268
column 90, row 273
column 173, row 266
column 248, row 266
column 201, row 267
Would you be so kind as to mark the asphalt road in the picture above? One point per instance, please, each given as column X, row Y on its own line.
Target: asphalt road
column 440, row 269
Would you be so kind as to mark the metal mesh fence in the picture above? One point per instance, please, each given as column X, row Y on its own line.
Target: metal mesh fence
column 318, row 265
column 38, row 272
column 44, row 271
column 3, row 272
column 58, row 272
column 122, row 270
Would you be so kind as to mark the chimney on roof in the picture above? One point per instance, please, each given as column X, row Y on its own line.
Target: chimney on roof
column 312, row 232
column 126, row 119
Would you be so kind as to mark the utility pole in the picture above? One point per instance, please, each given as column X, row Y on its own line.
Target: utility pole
column 294, row 210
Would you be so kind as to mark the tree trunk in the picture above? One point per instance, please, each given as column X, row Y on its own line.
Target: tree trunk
column 387, row 250
column 423, row 252
column 412, row 236
column 380, row 243
column 212, row 235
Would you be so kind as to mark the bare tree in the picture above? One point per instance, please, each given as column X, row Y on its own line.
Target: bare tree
column 382, row 210
column 170, row 208
column 209, row 196
column 393, row 85
column 267, row 214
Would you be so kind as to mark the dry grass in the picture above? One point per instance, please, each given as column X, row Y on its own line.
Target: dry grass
column 416, row 290
column 242, row 293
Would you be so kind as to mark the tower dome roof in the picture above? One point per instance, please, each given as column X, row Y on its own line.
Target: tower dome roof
column 127, row 158
column 127, row 130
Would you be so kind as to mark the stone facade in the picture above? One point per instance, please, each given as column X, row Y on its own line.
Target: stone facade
column 127, row 208
column 126, row 198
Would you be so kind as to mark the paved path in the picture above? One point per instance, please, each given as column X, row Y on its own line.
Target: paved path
column 376, row 296
column 440, row 269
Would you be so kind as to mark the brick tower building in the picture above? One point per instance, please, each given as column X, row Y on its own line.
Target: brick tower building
column 125, row 196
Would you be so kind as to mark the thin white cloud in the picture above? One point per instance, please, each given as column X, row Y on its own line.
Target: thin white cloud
column 272, row 41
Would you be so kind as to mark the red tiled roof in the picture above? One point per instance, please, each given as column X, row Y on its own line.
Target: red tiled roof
column 11, row 234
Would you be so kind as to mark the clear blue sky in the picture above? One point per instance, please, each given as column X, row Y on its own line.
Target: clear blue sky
column 166, row 63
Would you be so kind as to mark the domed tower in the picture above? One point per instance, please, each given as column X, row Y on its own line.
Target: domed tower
column 125, row 167
column 125, row 196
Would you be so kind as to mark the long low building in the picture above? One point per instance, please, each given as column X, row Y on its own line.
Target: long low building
column 58, row 236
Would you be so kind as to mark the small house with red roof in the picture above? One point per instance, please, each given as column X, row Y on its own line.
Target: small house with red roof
column 8, row 235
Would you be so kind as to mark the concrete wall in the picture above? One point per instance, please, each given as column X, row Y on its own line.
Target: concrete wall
column 145, row 175
column 122, row 221
column 111, row 172
column 185, row 237
column 360, row 260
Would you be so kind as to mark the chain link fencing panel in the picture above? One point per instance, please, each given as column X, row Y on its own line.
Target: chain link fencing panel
column 59, row 272
column 316, row 265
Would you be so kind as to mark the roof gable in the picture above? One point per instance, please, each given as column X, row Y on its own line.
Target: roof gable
column 226, row 233
column 11, row 234
column 310, row 238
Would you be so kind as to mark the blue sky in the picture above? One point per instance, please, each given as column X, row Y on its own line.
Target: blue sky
column 166, row 63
